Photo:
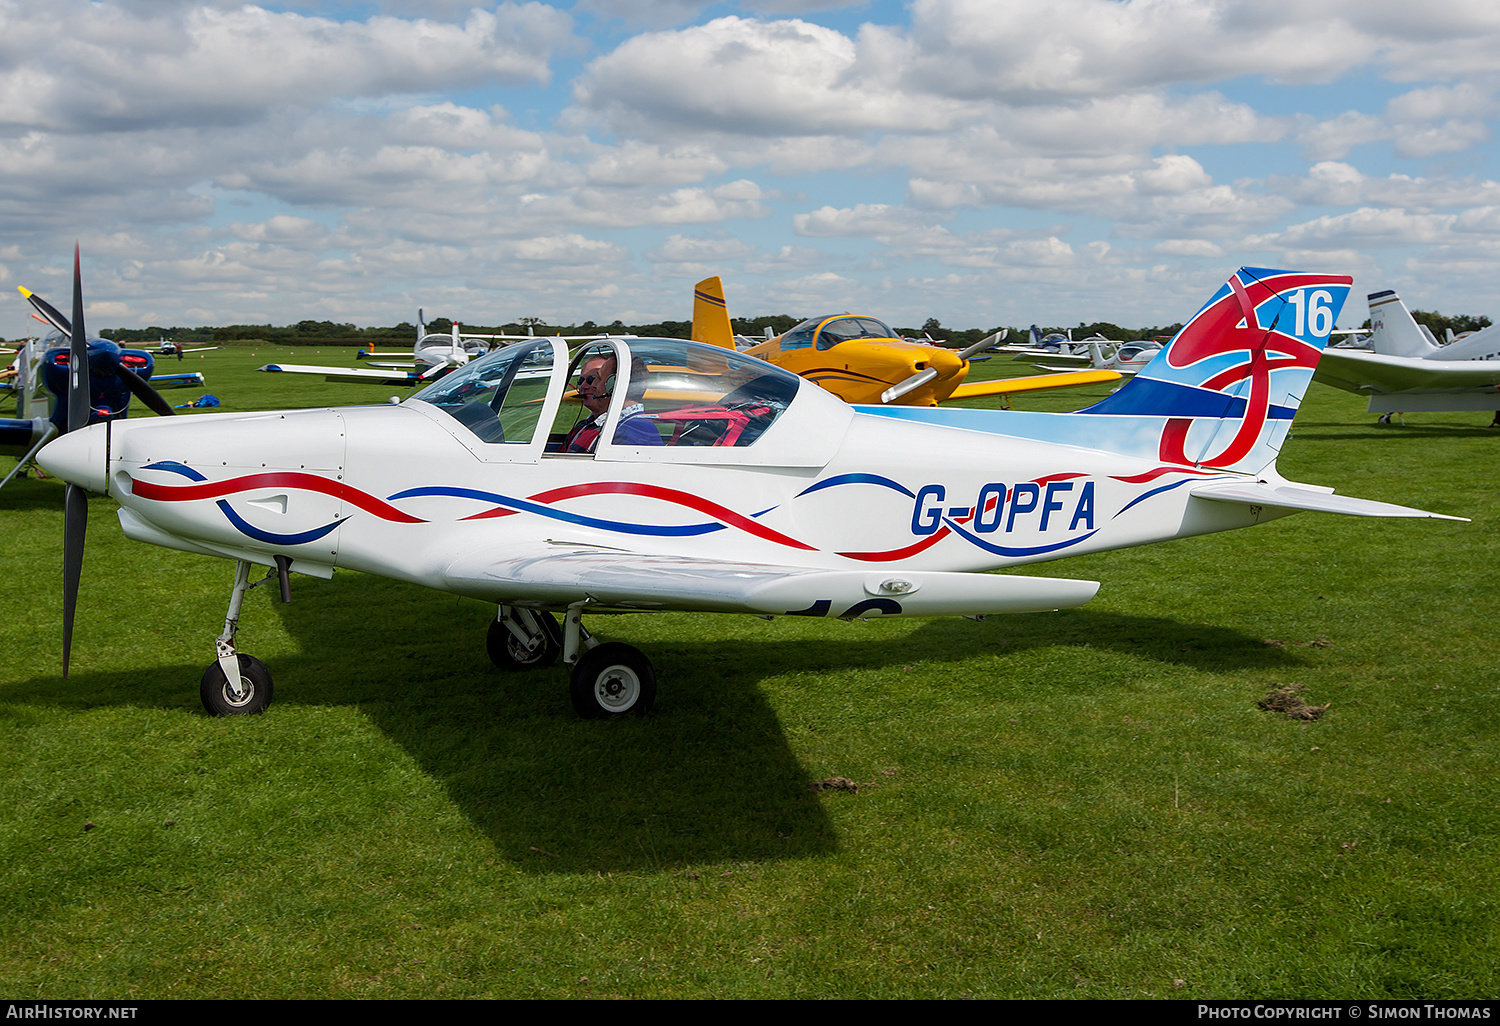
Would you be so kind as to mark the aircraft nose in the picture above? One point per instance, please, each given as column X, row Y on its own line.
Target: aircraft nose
column 945, row 362
column 78, row 457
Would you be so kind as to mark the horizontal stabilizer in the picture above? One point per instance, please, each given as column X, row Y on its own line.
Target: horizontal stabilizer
column 1308, row 499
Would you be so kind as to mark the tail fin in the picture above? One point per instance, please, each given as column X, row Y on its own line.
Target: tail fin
column 711, row 314
column 1393, row 331
column 1223, row 391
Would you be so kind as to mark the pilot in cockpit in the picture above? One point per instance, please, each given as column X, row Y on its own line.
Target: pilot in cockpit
column 596, row 384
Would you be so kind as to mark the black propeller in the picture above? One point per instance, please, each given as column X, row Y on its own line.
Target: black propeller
column 75, row 499
column 49, row 313
column 80, row 407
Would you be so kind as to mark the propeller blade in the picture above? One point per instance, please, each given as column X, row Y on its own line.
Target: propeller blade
column 75, row 499
column 49, row 313
column 75, row 524
column 912, row 383
column 80, row 400
column 983, row 344
column 142, row 390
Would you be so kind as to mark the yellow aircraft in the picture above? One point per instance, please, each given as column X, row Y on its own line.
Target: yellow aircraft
column 862, row 360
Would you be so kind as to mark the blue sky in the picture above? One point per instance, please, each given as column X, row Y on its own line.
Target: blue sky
column 982, row 163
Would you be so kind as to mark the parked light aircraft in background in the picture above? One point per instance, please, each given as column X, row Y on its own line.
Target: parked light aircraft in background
column 433, row 355
column 862, row 360
column 48, row 366
column 166, row 347
column 1407, row 371
column 719, row 483
column 1050, row 344
column 1124, row 358
column 49, row 315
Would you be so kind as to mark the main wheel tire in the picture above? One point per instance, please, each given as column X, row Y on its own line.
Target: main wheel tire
column 507, row 652
column 612, row 680
column 255, row 680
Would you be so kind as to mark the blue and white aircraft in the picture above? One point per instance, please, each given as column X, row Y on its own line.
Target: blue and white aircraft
column 717, row 483
column 42, row 380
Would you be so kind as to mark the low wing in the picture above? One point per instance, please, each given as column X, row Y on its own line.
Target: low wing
column 558, row 573
column 1355, row 370
column 344, row 374
column 1033, row 383
column 1032, row 355
column 189, row 380
column 1285, row 496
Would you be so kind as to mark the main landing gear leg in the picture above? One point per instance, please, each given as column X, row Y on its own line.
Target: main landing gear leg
column 235, row 684
column 523, row 639
column 609, row 679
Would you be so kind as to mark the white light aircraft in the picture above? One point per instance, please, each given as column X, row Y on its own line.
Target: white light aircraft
column 718, row 483
column 166, row 347
column 1124, row 358
column 1407, row 371
column 433, row 355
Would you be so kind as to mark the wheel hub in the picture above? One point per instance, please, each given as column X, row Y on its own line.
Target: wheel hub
column 618, row 688
column 239, row 693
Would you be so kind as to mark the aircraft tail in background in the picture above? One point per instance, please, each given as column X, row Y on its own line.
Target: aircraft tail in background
column 711, row 314
column 1393, row 331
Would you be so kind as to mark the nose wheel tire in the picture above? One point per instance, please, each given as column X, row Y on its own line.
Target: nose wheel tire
column 508, row 652
column 251, row 694
column 612, row 680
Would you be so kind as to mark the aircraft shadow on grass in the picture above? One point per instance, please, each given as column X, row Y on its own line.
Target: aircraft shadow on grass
column 709, row 778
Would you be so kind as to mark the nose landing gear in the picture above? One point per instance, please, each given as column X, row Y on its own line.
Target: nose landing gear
column 236, row 684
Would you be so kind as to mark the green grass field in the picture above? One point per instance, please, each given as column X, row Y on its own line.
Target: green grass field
column 1081, row 804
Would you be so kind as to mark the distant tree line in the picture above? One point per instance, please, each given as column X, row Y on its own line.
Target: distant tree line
column 403, row 334
column 969, row 336
column 302, row 331
column 1440, row 323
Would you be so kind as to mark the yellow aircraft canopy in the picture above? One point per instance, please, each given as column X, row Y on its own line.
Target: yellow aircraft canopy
column 828, row 331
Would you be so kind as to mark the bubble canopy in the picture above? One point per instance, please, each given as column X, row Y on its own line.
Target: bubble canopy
column 668, row 400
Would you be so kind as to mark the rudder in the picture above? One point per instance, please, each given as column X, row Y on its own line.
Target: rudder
column 1393, row 331
column 1224, row 390
column 711, row 314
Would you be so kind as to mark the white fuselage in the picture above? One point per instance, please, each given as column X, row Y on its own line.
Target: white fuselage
column 401, row 492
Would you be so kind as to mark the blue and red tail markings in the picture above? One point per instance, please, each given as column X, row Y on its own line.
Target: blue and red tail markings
column 1222, row 366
